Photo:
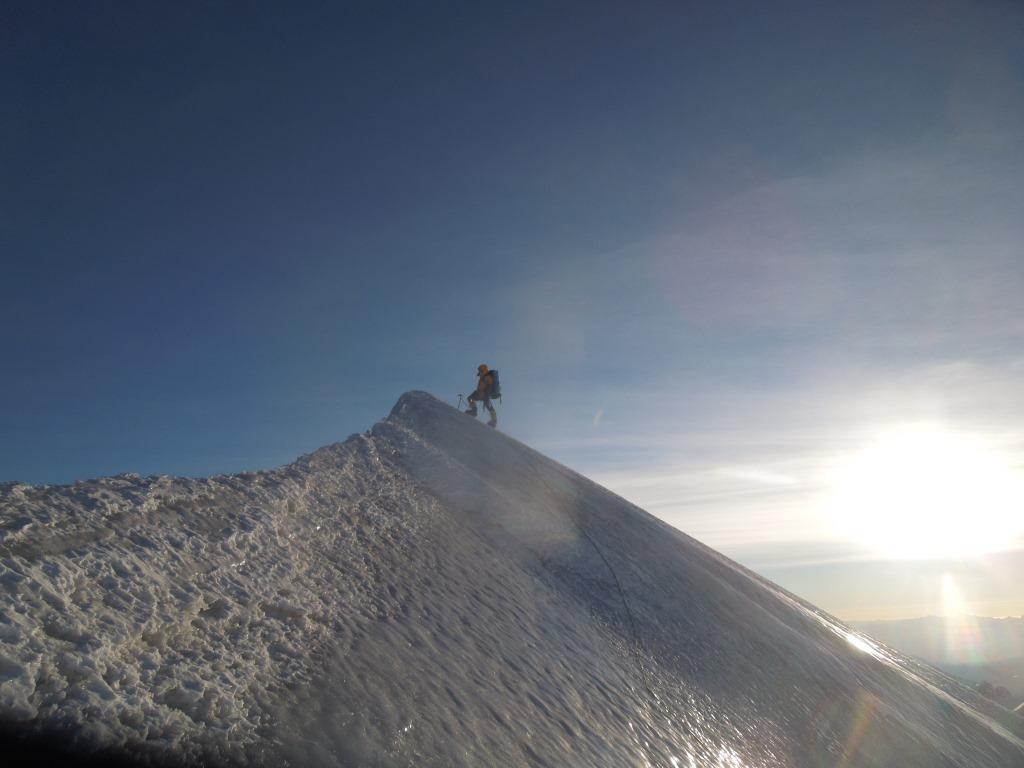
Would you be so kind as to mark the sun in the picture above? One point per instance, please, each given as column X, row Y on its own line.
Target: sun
column 923, row 491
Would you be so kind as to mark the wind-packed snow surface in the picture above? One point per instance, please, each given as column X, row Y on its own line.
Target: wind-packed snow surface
column 434, row 593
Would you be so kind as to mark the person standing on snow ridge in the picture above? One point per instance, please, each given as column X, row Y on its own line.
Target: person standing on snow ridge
column 483, row 393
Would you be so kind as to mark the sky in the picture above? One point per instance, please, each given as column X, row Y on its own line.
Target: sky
column 716, row 250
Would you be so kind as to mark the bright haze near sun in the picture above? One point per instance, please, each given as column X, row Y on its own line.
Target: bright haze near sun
column 925, row 491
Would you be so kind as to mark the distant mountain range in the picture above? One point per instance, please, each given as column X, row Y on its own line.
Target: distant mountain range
column 975, row 648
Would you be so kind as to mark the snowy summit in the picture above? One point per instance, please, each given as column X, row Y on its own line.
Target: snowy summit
column 434, row 593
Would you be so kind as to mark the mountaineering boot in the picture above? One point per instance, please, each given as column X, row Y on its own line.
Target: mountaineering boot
column 470, row 412
column 493, row 422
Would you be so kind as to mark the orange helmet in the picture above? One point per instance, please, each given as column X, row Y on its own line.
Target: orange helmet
column 482, row 368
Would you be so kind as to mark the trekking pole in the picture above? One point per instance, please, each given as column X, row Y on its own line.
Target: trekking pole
column 459, row 406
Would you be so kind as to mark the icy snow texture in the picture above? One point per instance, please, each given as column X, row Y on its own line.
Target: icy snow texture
column 433, row 593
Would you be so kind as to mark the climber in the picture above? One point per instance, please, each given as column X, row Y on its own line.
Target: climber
column 487, row 387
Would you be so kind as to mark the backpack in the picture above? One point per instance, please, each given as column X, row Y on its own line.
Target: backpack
column 495, row 389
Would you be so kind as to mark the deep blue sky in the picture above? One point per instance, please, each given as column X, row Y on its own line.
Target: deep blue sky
column 686, row 233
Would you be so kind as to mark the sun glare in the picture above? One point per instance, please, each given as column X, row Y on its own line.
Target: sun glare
column 923, row 491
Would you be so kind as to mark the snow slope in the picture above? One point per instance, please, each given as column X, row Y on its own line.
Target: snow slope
column 434, row 593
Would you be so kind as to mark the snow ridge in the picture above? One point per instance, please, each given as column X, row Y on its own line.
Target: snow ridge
column 434, row 593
